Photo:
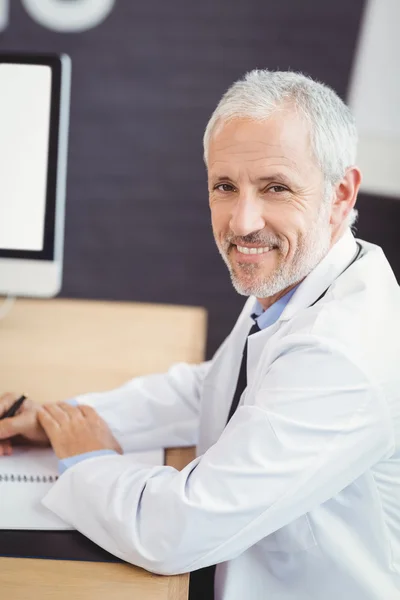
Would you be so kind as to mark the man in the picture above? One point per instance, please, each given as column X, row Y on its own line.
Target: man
column 297, row 497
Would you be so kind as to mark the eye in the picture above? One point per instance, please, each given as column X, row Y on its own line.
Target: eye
column 277, row 189
column 224, row 187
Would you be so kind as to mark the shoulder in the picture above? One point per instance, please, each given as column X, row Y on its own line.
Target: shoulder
column 360, row 311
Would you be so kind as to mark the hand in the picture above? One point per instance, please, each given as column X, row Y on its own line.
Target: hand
column 75, row 429
column 24, row 427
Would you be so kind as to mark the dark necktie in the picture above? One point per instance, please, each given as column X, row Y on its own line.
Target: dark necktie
column 201, row 582
column 242, row 378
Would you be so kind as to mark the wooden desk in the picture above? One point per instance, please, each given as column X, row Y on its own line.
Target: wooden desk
column 55, row 349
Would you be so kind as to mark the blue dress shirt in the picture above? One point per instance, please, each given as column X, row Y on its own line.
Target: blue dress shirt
column 264, row 319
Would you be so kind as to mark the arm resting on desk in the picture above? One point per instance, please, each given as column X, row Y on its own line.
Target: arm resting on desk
column 301, row 440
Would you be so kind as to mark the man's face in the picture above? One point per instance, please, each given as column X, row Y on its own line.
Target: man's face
column 266, row 193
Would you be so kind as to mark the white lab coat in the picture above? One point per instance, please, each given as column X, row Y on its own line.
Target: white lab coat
column 298, row 498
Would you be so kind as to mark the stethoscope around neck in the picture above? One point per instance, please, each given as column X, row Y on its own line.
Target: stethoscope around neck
column 353, row 260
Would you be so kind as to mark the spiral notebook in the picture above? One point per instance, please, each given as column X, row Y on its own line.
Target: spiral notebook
column 27, row 476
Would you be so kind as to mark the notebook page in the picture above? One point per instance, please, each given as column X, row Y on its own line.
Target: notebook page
column 27, row 476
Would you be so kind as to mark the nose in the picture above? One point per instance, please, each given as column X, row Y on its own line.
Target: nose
column 246, row 216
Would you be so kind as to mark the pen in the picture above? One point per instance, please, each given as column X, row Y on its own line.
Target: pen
column 13, row 408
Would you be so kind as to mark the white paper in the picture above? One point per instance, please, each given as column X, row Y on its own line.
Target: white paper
column 22, row 487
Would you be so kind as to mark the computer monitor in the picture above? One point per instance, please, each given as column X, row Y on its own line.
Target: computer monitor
column 34, row 121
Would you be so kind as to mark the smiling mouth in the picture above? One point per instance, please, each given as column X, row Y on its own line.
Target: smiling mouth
column 257, row 250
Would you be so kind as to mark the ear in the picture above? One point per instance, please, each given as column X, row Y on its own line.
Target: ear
column 345, row 196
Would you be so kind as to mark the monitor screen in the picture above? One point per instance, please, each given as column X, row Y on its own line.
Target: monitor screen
column 34, row 124
column 25, row 104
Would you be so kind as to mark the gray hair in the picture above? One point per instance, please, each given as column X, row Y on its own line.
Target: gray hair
column 332, row 126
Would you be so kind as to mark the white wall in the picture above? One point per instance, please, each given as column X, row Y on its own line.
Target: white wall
column 375, row 97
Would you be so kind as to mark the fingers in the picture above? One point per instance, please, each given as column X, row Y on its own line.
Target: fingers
column 13, row 426
column 54, row 418
column 6, row 402
column 47, row 420
column 24, row 425
column 62, row 411
column 75, row 430
column 57, row 413
column 7, row 428
column 89, row 412
column 16, row 425
column 5, row 448
column 73, row 412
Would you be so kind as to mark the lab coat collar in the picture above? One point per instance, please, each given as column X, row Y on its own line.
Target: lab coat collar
column 322, row 276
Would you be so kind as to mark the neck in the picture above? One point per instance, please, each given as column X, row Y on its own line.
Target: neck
column 267, row 302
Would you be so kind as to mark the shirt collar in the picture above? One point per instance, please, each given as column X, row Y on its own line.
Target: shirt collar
column 265, row 318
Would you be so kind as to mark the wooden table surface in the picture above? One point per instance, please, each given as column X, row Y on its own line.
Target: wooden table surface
column 55, row 349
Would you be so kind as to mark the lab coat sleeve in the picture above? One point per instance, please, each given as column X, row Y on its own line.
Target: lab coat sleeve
column 315, row 425
column 154, row 411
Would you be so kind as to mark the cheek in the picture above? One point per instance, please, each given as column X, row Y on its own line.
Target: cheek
column 288, row 219
column 220, row 219
column 291, row 230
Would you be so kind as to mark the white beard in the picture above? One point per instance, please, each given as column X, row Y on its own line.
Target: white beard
column 311, row 251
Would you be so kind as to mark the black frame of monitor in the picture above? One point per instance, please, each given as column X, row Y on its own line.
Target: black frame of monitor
column 53, row 61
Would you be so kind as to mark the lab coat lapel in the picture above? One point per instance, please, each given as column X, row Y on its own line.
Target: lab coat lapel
column 256, row 345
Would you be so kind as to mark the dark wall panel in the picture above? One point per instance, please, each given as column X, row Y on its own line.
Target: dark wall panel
column 144, row 84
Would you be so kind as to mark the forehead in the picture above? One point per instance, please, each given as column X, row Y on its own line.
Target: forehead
column 282, row 140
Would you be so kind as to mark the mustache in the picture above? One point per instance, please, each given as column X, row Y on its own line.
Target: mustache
column 262, row 239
